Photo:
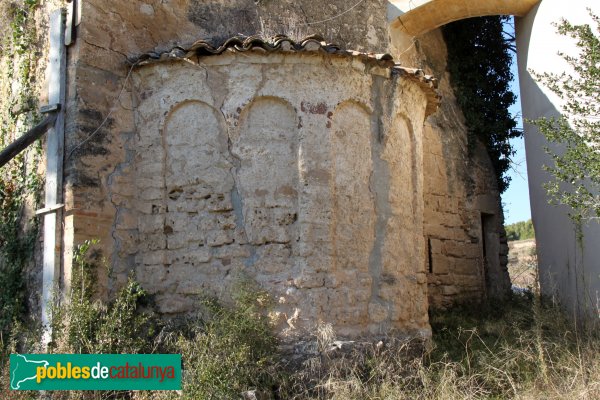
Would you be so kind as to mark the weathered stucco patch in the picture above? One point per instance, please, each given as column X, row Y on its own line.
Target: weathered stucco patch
column 266, row 148
column 422, row 188
column 277, row 172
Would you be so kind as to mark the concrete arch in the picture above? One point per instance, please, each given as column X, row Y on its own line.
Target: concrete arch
column 416, row 17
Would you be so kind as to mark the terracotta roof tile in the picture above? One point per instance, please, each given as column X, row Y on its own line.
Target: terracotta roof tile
column 281, row 43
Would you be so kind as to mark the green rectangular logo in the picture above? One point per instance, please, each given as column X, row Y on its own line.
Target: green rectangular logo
column 95, row 371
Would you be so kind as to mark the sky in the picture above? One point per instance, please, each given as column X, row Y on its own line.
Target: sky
column 516, row 197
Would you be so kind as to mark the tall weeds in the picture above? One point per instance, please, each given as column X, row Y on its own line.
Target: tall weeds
column 523, row 349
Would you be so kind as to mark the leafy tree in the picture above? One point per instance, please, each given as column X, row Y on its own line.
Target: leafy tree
column 479, row 64
column 520, row 230
column 576, row 169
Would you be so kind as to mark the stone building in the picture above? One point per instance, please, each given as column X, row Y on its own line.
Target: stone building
column 200, row 150
column 568, row 256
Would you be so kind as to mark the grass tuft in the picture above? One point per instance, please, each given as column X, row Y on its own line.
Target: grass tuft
column 522, row 349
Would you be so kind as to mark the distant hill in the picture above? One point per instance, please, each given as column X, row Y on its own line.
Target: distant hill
column 520, row 230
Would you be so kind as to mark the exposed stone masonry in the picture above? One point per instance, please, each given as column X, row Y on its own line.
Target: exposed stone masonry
column 463, row 219
column 283, row 168
column 308, row 170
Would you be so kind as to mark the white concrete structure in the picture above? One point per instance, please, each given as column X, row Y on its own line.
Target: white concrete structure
column 568, row 269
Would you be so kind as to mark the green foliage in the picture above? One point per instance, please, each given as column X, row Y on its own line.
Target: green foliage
column 18, row 14
column 479, row 65
column 231, row 351
column 82, row 324
column 23, row 339
column 520, row 230
column 20, row 183
column 16, row 248
column 225, row 351
column 17, row 48
column 576, row 169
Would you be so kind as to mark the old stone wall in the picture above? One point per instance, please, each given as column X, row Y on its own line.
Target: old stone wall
column 299, row 171
column 463, row 218
column 311, row 174
column 99, row 110
column 274, row 199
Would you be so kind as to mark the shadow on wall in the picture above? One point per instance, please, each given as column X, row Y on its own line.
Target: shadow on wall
column 567, row 269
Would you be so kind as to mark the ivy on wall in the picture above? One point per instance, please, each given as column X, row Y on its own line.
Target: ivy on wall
column 20, row 182
column 479, row 64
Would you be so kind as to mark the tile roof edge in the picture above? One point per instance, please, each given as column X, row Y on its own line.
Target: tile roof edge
column 281, row 43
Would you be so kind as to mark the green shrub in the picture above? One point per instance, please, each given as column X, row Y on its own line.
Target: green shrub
column 82, row 324
column 231, row 349
column 225, row 350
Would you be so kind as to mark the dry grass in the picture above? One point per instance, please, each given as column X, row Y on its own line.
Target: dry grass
column 522, row 350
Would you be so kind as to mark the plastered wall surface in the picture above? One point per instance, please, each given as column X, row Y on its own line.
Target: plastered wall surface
column 286, row 169
column 569, row 269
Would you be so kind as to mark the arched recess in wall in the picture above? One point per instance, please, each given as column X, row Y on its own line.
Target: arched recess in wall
column 353, row 228
column 197, row 177
column 266, row 145
column 418, row 16
column 196, row 147
column 400, row 151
